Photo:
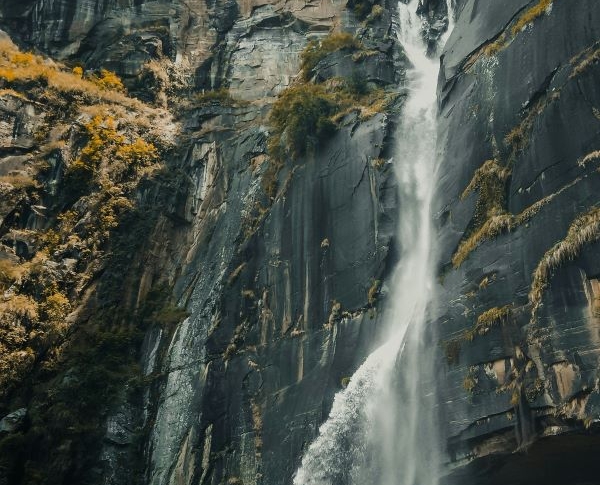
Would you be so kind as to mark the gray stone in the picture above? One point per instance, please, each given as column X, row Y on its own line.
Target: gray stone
column 14, row 421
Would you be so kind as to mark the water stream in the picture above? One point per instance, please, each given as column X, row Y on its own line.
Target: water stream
column 381, row 429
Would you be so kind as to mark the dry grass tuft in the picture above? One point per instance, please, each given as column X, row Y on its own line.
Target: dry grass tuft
column 585, row 229
column 590, row 157
column 492, row 48
column 502, row 222
column 488, row 319
column 591, row 57
column 531, row 15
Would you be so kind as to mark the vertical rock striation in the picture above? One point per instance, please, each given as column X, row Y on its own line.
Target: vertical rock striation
column 279, row 268
column 517, row 208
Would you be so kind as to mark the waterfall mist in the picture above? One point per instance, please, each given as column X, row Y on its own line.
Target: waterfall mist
column 382, row 429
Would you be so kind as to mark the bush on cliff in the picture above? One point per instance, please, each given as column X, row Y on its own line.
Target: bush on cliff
column 301, row 118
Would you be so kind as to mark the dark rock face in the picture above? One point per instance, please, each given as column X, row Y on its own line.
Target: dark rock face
column 284, row 312
column 282, row 291
column 13, row 422
column 519, row 325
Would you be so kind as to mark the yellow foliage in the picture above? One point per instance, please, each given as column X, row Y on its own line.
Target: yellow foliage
column 531, row 15
column 19, row 66
column 10, row 272
column 7, row 74
column 55, row 308
column 585, row 229
column 109, row 148
column 20, row 306
column 140, row 153
column 24, row 58
column 109, row 80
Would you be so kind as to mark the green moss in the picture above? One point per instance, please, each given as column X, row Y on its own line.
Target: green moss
column 158, row 309
column 376, row 13
column 364, row 9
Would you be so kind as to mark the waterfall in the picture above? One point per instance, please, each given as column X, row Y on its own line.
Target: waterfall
column 381, row 429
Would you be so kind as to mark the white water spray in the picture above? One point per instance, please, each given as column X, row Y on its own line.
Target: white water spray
column 381, row 429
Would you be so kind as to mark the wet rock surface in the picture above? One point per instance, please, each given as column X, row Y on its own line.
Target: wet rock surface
column 518, row 329
column 281, row 290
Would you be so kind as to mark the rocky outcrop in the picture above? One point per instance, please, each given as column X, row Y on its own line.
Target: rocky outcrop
column 517, row 209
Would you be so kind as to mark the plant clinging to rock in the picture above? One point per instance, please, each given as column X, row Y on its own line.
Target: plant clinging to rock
column 300, row 118
column 316, row 51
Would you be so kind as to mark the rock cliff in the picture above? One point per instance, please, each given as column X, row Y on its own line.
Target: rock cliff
column 188, row 278
column 517, row 207
column 245, row 290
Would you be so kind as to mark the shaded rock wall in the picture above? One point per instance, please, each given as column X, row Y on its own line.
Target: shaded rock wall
column 519, row 330
column 281, row 289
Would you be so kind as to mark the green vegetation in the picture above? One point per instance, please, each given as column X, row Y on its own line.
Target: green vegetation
column 376, row 13
column 316, row 51
column 301, row 117
column 306, row 114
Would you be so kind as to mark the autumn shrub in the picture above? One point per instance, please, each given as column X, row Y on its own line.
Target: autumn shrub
column 108, row 80
column 300, row 118
column 9, row 272
column 108, row 146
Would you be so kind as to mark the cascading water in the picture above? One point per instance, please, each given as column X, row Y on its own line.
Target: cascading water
column 381, row 428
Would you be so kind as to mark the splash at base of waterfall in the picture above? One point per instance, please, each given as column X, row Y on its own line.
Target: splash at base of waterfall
column 381, row 429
